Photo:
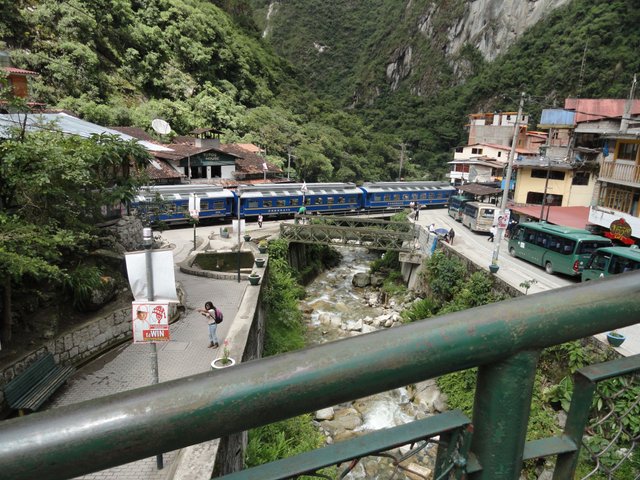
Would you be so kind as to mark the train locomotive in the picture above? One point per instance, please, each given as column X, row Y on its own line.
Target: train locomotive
column 170, row 203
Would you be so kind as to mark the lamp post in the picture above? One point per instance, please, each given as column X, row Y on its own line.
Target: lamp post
column 147, row 242
column 507, row 183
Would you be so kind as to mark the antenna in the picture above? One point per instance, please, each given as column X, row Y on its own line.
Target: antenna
column 160, row 126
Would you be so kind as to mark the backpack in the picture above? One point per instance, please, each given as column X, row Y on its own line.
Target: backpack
column 218, row 317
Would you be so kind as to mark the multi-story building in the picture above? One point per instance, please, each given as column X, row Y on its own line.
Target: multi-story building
column 611, row 127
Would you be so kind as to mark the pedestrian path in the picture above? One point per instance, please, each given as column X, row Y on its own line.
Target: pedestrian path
column 129, row 366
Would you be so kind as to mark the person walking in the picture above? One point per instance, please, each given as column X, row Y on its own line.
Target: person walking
column 210, row 313
column 452, row 234
column 416, row 210
column 492, row 233
column 260, row 221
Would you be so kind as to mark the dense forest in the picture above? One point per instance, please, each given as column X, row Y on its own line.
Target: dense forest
column 198, row 64
column 314, row 87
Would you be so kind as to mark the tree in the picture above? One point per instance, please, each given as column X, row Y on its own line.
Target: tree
column 53, row 189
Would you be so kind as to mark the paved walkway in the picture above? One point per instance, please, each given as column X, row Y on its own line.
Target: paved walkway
column 129, row 366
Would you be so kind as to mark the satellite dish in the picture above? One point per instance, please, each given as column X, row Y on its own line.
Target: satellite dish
column 160, row 126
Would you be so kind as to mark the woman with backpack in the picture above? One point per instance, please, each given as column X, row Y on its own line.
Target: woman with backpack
column 214, row 317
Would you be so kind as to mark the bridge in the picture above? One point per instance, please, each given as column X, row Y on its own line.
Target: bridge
column 374, row 234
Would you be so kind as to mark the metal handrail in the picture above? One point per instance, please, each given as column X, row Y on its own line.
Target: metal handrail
column 98, row 434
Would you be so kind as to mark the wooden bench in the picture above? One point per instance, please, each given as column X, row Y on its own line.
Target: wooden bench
column 36, row 384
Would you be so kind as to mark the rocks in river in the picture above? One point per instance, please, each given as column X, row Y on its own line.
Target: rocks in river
column 324, row 414
column 353, row 325
column 361, row 280
column 429, row 396
column 376, row 280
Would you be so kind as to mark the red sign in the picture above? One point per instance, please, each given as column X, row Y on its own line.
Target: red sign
column 150, row 322
column 620, row 230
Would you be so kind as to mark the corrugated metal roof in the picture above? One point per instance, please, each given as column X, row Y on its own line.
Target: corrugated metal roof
column 68, row 124
column 589, row 109
column 576, row 217
column 557, row 117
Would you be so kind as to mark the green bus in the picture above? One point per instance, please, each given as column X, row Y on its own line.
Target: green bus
column 456, row 206
column 554, row 247
column 611, row 261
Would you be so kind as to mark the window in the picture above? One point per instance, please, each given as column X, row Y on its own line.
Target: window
column 627, row 151
column 295, row 202
column 590, row 246
column 616, row 197
column 459, row 149
column 318, row 201
column 476, row 151
column 423, row 196
column 580, row 178
column 330, row 201
column 267, row 203
column 340, row 199
column 499, row 154
column 377, row 198
column 540, row 173
column 280, row 203
column 253, row 204
column 387, row 198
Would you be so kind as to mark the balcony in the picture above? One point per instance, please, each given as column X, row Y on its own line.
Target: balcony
column 624, row 172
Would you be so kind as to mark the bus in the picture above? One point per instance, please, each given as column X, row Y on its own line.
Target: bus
column 557, row 248
column 478, row 217
column 456, row 206
column 611, row 261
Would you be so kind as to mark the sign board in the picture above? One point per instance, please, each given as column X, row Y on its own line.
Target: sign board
column 194, row 205
column 164, row 283
column 150, row 322
column 234, row 225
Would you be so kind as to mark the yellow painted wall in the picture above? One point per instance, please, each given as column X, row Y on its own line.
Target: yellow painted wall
column 572, row 195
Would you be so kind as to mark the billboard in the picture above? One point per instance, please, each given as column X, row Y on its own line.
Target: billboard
column 150, row 322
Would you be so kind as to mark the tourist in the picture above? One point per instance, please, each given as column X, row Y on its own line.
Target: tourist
column 260, row 220
column 209, row 312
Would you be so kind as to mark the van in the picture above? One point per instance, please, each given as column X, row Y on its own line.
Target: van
column 611, row 261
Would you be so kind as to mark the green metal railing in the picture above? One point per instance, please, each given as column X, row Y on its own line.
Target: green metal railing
column 504, row 340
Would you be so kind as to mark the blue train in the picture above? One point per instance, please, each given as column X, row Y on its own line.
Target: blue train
column 170, row 203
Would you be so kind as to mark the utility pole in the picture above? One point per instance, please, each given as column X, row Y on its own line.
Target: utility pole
column 507, row 182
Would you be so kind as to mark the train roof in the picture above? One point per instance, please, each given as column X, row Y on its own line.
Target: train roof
column 291, row 189
column 406, row 186
column 178, row 192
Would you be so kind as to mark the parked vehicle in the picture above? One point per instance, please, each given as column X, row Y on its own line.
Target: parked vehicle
column 611, row 261
column 456, row 206
column 557, row 248
column 479, row 217
column 170, row 203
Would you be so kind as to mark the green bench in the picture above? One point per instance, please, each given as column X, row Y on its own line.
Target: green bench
column 32, row 387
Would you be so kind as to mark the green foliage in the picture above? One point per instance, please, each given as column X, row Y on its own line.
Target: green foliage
column 81, row 283
column 460, row 389
column 444, row 275
column 389, row 261
column 282, row 439
column 423, row 308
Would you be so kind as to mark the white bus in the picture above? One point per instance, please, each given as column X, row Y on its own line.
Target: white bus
column 478, row 217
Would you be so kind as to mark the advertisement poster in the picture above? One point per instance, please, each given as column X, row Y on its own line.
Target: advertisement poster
column 150, row 322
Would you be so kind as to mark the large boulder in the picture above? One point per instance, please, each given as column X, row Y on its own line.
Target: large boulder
column 361, row 280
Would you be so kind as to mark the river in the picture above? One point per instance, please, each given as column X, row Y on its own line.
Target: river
column 334, row 308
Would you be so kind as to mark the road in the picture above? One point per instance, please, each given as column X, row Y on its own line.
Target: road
column 477, row 248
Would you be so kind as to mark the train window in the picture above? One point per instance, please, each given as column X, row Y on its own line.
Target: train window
column 204, row 204
column 219, row 205
column 341, row 200
column 377, row 198
column 318, row 201
column 387, row 198
column 423, row 196
column 267, row 203
column 405, row 196
column 280, row 203
column 295, row 201
column 330, row 201
column 252, row 204
column 414, row 196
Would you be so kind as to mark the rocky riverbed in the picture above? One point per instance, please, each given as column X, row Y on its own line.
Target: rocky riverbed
column 344, row 302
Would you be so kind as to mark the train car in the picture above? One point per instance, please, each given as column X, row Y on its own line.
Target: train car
column 170, row 203
column 382, row 195
column 286, row 199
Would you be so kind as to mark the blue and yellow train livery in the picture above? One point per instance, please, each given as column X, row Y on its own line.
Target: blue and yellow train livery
column 170, row 203
column 381, row 195
column 286, row 199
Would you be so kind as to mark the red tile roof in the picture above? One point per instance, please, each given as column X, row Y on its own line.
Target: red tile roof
column 18, row 71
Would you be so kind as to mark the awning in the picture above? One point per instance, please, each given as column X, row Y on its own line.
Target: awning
column 576, row 217
column 480, row 190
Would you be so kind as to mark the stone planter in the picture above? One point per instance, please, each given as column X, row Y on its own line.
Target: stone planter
column 254, row 279
column 615, row 339
column 218, row 363
column 224, row 233
column 260, row 262
column 247, row 238
column 262, row 250
column 494, row 268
